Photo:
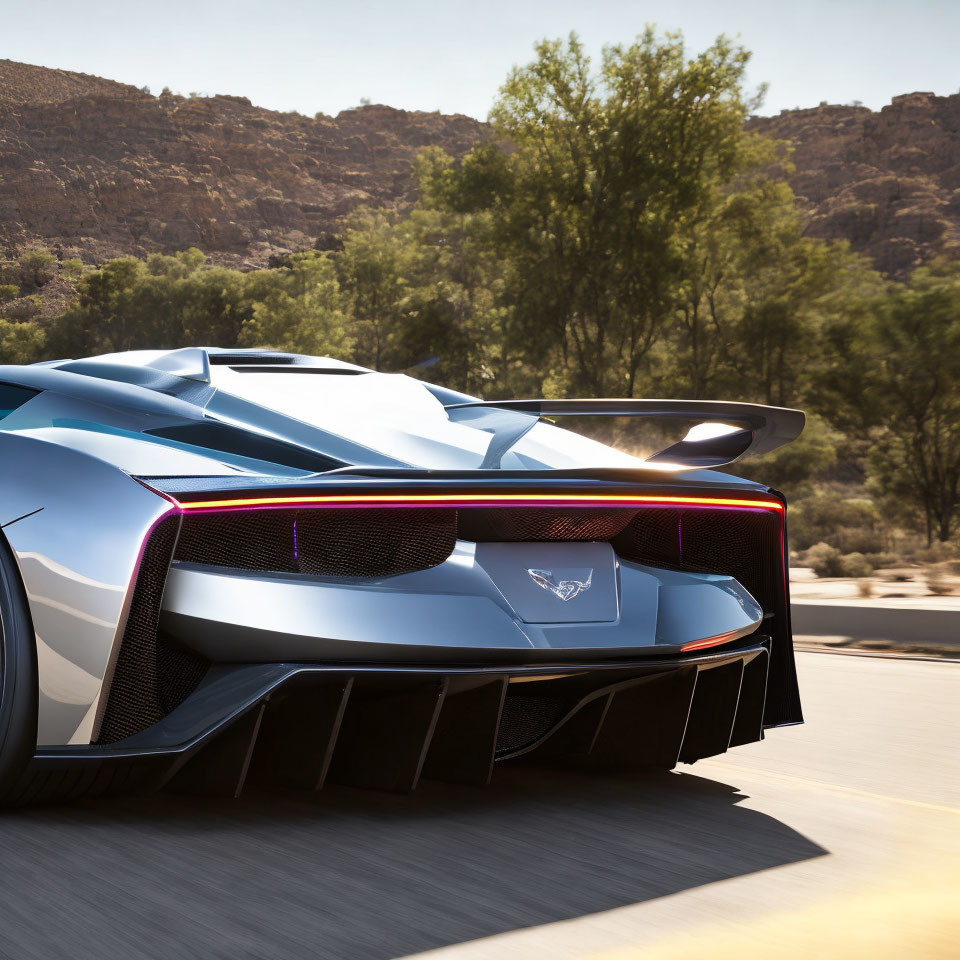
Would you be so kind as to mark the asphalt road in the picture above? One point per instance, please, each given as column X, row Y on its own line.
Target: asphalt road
column 848, row 826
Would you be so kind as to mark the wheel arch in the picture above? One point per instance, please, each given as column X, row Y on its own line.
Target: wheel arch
column 76, row 526
column 19, row 689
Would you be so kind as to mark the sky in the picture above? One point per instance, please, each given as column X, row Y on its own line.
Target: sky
column 322, row 56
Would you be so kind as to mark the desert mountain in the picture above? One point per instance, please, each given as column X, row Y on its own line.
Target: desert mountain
column 889, row 182
column 99, row 168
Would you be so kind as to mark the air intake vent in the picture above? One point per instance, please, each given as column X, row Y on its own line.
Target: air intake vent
column 500, row 525
column 329, row 543
column 744, row 544
column 527, row 716
column 272, row 368
column 153, row 674
column 241, row 359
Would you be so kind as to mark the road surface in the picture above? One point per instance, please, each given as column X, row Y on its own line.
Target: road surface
column 825, row 835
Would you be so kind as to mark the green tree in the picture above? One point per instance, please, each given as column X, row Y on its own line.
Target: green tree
column 425, row 292
column 106, row 316
column 373, row 270
column 37, row 268
column 608, row 170
column 20, row 342
column 166, row 301
column 896, row 380
column 297, row 307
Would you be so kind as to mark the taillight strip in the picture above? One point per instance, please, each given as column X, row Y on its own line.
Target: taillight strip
column 711, row 641
column 478, row 500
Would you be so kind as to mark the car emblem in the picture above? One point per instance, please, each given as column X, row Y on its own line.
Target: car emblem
column 566, row 584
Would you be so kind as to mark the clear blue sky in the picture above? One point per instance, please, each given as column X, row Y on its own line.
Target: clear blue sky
column 319, row 55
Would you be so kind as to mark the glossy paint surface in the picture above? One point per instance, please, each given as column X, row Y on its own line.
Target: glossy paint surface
column 77, row 551
column 478, row 600
column 77, row 518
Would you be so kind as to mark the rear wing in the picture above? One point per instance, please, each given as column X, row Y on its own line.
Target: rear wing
column 724, row 431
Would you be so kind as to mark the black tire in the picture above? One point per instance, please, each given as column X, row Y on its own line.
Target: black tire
column 18, row 678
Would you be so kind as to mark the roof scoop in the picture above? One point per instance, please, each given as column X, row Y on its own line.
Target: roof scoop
column 188, row 363
column 191, row 363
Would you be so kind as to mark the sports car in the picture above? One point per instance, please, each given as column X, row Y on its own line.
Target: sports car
column 224, row 567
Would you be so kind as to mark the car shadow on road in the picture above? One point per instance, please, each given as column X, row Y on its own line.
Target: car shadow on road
column 356, row 874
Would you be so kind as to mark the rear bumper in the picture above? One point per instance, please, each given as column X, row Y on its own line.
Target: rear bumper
column 480, row 606
column 303, row 725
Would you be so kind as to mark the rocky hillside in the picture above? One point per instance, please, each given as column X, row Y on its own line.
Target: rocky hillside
column 889, row 182
column 99, row 168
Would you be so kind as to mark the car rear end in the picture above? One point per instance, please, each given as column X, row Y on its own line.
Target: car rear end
column 375, row 631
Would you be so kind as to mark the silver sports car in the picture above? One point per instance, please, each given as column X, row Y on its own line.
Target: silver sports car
column 221, row 567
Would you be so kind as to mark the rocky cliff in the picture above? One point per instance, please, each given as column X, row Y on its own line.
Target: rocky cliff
column 889, row 182
column 99, row 168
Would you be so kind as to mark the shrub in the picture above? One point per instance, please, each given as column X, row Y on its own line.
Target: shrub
column 21, row 310
column 72, row 269
column 847, row 523
column 20, row 342
column 828, row 561
column 37, row 267
column 937, row 582
column 824, row 560
column 855, row 565
column 937, row 552
column 8, row 291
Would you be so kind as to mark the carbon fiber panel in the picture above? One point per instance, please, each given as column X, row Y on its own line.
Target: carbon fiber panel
column 384, row 728
column 333, row 543
column 153, row 674
column 539, row 525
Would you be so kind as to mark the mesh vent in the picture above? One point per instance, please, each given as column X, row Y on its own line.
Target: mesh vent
column 371, row 543
column 249, row 540
column 527, row 717
column 742, row 544
column 179, row 672
column 332, row 543
column 481, row 524
column 240, row 359
column 151, row 675
column 654, row 538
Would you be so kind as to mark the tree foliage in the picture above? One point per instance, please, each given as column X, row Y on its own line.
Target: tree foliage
column 297, row 307
column 897, row 381
column 612, row 173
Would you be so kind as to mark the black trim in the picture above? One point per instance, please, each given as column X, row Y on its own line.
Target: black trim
column 239, row 359
column 294, row 368
column 783, row 704
column 152, row 675
column 18, row 678
column 12, row 397
column 225, row 438
column 371, row 480
column 382, row 727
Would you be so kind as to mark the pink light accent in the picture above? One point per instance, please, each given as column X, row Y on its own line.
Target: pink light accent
column 441, row 501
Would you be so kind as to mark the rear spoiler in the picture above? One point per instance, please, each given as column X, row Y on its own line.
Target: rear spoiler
column 737, row 428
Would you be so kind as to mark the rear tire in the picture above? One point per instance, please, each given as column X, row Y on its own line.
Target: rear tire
column 18, row 678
